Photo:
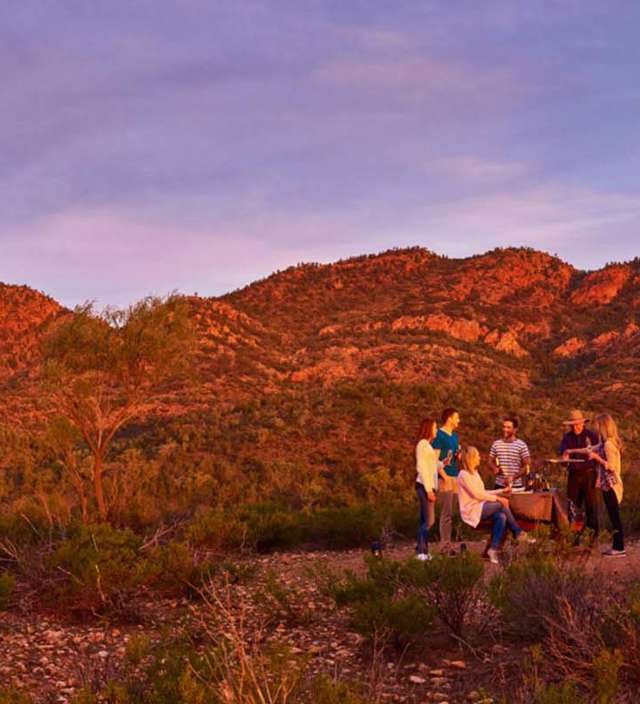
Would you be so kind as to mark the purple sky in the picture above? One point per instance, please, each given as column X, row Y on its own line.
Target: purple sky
column 198, row 145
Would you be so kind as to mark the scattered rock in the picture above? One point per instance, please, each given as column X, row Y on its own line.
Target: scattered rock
column 458, row 664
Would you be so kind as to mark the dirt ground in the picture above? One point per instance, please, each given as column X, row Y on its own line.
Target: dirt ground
column 52, row 658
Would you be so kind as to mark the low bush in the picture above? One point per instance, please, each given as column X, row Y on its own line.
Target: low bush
column 345, row 527
column 173, row 569
column 565, row 693
column 7, row 584
column 403, row 620
column 216, row 529
column 530, row 594
column 96, row 568
column 324, row 690
column 586, row 625
column 385, row 604
column 169, row 673
column 14, row 696
column 452, row 586
column 351, row 589
column 270, row 527
column 402, row 598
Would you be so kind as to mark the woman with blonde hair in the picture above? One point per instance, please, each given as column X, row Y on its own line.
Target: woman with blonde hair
column 607, row 455
column 476, row 503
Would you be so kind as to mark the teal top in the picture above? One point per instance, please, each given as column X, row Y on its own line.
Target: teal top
column 445, row 442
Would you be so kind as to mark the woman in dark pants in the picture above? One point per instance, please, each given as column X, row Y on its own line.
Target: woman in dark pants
column 427, row 465
column 607, row 455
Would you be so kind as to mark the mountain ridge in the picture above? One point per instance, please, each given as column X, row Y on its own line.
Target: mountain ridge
column 516, row 320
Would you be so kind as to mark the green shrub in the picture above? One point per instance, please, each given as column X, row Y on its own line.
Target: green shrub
column 324, row 690
column 174, row 570
column 7, row 584
column 380, row 610
column 25, row 525
column 565, row 693
column 270, row 527
column 100, row 564
column 451, row 585
column 401, row 620
column 169, row 673
column 529, row 593
column 216, row 529
column 606, row 669
column 351, row 589
column 13, row 696
column 84, row 696
column 345, row 527
column 382, row 579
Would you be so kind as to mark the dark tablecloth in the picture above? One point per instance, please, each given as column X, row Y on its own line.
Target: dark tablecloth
column 548, row 506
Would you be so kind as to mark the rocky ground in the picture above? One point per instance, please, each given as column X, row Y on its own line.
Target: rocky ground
column 51, row 658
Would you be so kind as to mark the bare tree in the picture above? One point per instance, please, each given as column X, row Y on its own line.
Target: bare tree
column 103, row 370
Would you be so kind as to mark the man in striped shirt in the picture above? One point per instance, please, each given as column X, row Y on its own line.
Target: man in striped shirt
column 509, row 455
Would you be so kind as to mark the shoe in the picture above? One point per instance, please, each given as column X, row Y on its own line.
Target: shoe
column 612, row 552
column 524, row 537
column 493, row 556
column 423, row 556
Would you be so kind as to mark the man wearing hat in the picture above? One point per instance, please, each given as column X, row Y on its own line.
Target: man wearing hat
column 581, row 484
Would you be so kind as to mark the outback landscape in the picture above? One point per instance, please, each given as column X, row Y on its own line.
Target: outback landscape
column 190, row 488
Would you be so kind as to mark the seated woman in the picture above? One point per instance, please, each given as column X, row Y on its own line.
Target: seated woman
column 477, row 504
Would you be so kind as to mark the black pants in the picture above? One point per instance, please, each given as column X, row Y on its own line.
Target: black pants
column 613, row 509
column 581, row 490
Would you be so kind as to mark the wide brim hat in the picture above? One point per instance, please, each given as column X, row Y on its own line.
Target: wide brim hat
column 576, row 417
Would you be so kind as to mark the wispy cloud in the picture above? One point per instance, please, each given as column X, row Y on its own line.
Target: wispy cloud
column 477, row 169
column 147, row 146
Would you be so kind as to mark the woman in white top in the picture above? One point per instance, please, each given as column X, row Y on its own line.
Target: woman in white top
column 427, row 466
column 476, row 503
column 607, row 455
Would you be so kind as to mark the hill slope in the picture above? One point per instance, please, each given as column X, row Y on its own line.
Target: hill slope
column 312, row 381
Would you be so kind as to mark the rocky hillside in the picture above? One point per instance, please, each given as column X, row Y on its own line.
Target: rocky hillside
column 518, row 317
column 396, row 334
column 25, row 316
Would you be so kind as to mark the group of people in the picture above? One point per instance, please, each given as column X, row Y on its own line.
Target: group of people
column 445, row 470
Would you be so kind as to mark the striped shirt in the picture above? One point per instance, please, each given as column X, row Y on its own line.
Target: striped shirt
column 512, row 456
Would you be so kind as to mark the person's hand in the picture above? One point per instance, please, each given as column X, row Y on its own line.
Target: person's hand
column 431, row 495
column 503, row 501
column 593, row 455
column 566, row 455
column 507, row 489
column 447, row 461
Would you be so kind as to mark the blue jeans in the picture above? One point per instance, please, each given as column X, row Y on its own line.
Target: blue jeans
column 423, row 531
column 501, row 519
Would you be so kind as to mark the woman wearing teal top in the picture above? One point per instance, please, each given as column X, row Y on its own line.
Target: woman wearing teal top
column 447, row 442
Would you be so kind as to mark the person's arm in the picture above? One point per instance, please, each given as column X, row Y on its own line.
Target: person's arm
column 474, row 491
column 605, row 461
column 612, row 453
column 493, row 454
column 525, row 461
column 437, row 445
column 564, row 451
